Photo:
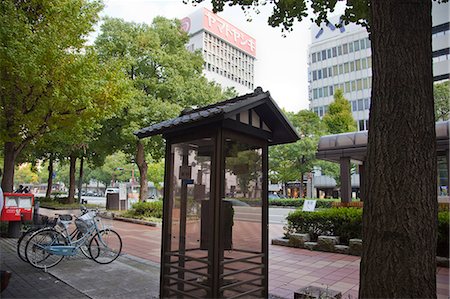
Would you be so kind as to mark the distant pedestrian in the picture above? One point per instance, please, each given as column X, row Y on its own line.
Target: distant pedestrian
column 20, row 190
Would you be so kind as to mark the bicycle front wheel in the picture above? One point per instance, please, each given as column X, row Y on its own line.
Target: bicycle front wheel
column 36, row 251
column 105, row 246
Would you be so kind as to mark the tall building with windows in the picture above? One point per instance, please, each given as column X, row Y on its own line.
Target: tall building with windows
column 229, row 53
column 342, row 58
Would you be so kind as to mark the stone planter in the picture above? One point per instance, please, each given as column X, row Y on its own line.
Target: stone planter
column 327, row 243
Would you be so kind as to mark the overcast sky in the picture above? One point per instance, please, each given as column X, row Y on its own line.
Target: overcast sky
column 281, row 65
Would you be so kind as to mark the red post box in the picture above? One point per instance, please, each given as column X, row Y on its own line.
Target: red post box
column 17, row 207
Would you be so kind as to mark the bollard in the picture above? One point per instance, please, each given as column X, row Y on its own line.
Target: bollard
column 36, row 212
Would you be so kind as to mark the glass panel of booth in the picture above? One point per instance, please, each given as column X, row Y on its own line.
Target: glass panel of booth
column 241, row 221
column 190, row 230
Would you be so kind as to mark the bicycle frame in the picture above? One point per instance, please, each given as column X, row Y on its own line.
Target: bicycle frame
column 71, row 249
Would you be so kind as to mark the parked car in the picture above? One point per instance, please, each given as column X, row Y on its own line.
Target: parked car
column 274, row 196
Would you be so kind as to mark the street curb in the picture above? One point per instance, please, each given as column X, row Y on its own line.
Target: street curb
column 110, row 215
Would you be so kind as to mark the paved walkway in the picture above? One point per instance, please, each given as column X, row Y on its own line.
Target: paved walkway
column 136, row 273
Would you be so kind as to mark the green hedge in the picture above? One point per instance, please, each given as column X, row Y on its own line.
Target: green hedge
column 347, row 224
column 298, row 202
column 342, row 222
column 146, row 210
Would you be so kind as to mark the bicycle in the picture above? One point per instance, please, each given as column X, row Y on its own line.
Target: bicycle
column 24, row 238
column 47, row 247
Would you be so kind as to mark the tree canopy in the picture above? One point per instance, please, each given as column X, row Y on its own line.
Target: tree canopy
column 339, row 118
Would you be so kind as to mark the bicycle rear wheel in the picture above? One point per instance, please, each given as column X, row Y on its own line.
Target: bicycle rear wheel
column 105, row 246
column 22, row 243
column 35, row 250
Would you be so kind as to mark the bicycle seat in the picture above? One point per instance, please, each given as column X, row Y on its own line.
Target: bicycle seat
column 65, row 217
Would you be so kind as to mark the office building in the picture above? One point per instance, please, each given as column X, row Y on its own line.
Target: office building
column 342, row 58
column 229, row 53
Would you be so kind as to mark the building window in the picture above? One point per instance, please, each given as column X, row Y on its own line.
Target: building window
column 358, row 64
column 331, row 90
column 346, row 67
column 345, row 48
column 324, row 54
column 367, row 103
column 329, row 53
column 319, row 57
column 369, row 61
column 352, row 66
column 350, row 47
column 368, row 44
column 325, row 109
column 356, row 45
column 359, row 84
column 316, row 110
column 360, row 105
column 325, row 91
column 313, row 57
column 362, row 44
column 363, row 63
column 334, row 51
column 320, row 111
column 319, row 74
column 335, row 70
column 330, row 72
column 320, row 93
column 347, row 86
column 315, row 93
column 361, row 125
column 339, row 50
column 365, row 84
column 353, row 85
column 325, row 73
column 367, row 124
column 354, row 106
column 341, row 69
column 314, row 75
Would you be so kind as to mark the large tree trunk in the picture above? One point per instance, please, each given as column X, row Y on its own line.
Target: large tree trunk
column 400, row 208
column 73, row 160
column 80, row 179
column 142, row 165
column 8, row 167
column 50, row 178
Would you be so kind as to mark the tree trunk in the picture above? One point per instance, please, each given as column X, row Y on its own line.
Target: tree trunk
column 80, row 179
column 400, row 208
column 142, row 165
column 8, row 167
column 73, row 160
column 300, row 195
column 50, row 178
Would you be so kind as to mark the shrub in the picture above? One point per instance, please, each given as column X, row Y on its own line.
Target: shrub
column 343, row 222
column 147, row 209
column 298, row 202
column 347, row 224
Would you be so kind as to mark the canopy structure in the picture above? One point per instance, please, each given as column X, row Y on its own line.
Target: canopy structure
column 352, row 147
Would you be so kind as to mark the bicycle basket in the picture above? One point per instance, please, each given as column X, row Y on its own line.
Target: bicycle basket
column 85, row 222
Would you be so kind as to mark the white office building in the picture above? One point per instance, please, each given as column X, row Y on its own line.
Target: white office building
column 342, row 58
column 229, row 53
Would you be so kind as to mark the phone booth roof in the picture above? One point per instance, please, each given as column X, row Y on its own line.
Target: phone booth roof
column 254, row 113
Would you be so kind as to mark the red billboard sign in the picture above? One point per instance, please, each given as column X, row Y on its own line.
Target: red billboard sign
column 219, row 27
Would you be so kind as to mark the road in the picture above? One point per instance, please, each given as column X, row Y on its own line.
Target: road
column 276, row 215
